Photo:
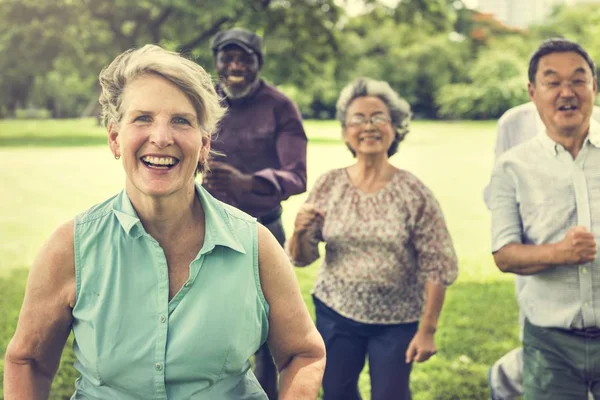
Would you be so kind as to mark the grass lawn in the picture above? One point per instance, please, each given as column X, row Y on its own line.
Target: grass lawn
column 55, row 169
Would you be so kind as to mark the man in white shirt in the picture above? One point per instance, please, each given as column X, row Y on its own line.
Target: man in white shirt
column 515, row 126
column 538, row 194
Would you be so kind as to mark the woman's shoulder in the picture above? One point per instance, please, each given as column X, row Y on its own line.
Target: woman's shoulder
column 60, row 239
column 407, row 178
column 408, row 185
column 97, row 210
column 232, row 213
column 330, row 177
column 326, row 185
column 57, row 258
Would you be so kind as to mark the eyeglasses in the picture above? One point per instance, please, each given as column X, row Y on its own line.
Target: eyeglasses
column 376, row 120
column 573, row 84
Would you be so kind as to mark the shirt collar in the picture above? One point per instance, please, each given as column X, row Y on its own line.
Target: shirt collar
column 218, row 228
column 127, row 217
column 218, row 231
column 552, row 147
column 594, row 133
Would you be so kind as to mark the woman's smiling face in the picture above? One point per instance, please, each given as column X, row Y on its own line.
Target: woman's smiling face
column 368, row 129
column 158, row 138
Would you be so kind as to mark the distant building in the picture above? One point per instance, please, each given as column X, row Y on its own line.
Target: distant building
column 522, row 13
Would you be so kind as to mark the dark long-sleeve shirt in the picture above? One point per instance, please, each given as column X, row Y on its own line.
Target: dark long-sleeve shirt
column 262, row 135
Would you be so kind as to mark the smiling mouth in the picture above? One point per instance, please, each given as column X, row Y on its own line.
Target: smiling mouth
column 235, row 79
column 159, row 162
column 363, row 138
column 567, row 107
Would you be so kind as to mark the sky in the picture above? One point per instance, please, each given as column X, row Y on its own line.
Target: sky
column 354, row 7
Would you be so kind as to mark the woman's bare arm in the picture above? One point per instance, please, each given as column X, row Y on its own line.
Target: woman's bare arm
column 302, row 251
column 296, row 344
column 33, row 354
column 422, row 346
column 303, row 245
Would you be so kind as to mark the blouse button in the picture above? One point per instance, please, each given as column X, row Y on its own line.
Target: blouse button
column 158, row 366
column 162, row 319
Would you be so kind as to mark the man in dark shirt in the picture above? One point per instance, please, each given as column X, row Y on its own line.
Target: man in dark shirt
column 262, row 149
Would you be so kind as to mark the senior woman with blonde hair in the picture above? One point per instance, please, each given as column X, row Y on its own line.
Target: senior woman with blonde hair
column 388, row 254
column 168, row 291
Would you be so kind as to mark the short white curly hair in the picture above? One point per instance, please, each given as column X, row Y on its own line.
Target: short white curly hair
column 398, row 107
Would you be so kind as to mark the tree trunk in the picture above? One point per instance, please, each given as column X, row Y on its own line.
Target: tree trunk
column 92, row 108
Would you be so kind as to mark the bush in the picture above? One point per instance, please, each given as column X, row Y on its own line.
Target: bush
column 498, row 82
column 32, row 113
column 464, row 101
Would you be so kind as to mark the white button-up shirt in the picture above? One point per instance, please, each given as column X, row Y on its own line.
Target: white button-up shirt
column 538, row 192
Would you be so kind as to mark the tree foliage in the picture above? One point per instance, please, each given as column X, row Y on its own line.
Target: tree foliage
column 84, row 35
column 446, row 60
column 497, row 83
column 580, row 24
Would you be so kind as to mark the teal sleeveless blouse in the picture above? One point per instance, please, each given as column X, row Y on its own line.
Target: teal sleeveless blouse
column 131, row 342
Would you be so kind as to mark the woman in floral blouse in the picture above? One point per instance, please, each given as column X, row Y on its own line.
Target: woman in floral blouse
column 388, row 254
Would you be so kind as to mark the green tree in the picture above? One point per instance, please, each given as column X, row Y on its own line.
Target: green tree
column 89, row 33
column 32, row 35
column 498, row 81
column 580, row 23
column 416, row 60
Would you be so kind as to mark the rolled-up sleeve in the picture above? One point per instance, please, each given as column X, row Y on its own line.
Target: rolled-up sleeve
column 290, row 144
column 507, row 226
column 431, row 239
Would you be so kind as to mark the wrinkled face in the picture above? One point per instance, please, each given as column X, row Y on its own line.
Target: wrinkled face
column 158, row 139
column 237, row 70
column 368, row 129
column 564, row 92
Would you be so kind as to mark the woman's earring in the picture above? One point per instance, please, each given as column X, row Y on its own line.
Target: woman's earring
column 117, row 157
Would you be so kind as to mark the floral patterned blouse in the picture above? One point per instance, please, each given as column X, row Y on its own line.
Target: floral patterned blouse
column 381, row 248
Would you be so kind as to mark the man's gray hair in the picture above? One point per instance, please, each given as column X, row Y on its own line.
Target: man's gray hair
column 398, row 107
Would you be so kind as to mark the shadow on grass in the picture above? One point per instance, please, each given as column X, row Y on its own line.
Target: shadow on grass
column 478, row 325
column 52, row 141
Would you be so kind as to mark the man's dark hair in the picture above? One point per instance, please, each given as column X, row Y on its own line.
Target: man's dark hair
column 557, row 45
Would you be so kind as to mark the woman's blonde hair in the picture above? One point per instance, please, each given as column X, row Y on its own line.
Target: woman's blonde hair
column 188, row 76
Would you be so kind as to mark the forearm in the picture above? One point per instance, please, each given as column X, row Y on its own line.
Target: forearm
column 301, row 378
column 527, row 259
column 434, row 301
column 302, row 249
column 22, row 381
column 283, row 182
column 291, row 145
column 262, row 186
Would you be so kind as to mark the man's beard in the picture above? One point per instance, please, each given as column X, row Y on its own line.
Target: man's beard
column 237, row 92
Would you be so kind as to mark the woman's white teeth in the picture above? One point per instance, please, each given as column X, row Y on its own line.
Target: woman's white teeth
column 159, row 160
